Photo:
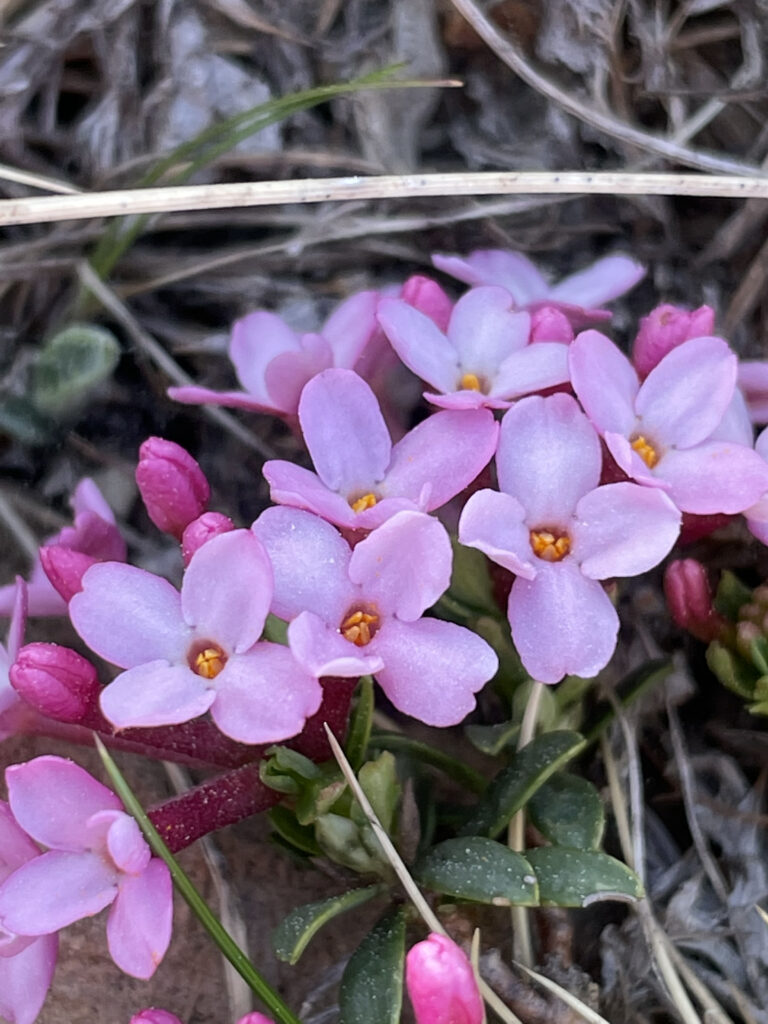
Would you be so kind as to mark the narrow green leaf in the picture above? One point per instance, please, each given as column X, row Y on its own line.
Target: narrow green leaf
column 378, row 780
column 290, row 831
column 492, row 739
column 731, row 595
column 296, row 931
column 568, row 811
column 451, row 766
column 221, row 938
column 732, row 670
column 70, row 365
column 372, row 985
column 576, row 878
column 479, row 869
column 359, row 732
column 515, row 785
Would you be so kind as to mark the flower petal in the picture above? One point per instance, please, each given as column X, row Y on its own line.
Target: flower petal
column 286, row 374
column 293, row 485
column 309, row 559
column 538, row 366
column 264, row 696
column 323, row 651
column 256, row 340
column 600, row 283
column 510, row 270
column 54, row 890
column 432, row 669
column 714, row 477
column 155, row 694
column 227, row 590
column 127, row 846
column 351, row 326
column 25, row 979
column 52, row 799
column 129, row 616
column 446, row 452
column 605, row 382
column 623, row 529
column 421, row 345
column 16, row 848
column 192, row 395
column 549, row 456
column 686, row 395
column 562, row 623
column 736, row 424
column 493, row 522
column 345, row 432
column 404, row 566
column 139, row 924
column 485, row 329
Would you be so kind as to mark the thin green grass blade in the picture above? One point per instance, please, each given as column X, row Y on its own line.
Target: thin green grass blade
column 197, row 904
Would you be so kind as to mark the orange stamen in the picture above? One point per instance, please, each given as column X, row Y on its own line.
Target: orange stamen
column 359, row 627
column 366, row 501
column 645, row 450
column 549, row 546
column 209, row 662
column 470, row 382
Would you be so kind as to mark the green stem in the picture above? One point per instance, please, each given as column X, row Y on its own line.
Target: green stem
column 454, row 769
column 197, row 904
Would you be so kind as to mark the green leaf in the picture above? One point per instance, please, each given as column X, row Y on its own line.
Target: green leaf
column 20, row 419
column 276, row 630
column 731, row 595
column 492, row 739
column 220, row 936
column 568, row 811
column 70, row 366
column 479, row 869
column 378, row 780
column 301, row 837
column 372, row 985
column 451, row 766
column 732, row 670
column 359, row 731
column 515, row 785
column 296, row 931
column 344, row 842
column 576, row 878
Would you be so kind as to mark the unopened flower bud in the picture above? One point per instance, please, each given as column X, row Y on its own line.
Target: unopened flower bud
column 174, row 488
column 201, row 530
column 689, row 597
column 429, row 298
column 665, row 328
column 56, row 681
column 65, row 568
column 255, row 1018
column 441, row 983
column 154, row 1016
column 548, row 323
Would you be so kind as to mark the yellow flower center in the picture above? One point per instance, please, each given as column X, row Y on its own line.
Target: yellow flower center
column 362, row 503
column 470, row 382
column 209, row 662
column 550, row 546
column 645, row 450
column 359, row 627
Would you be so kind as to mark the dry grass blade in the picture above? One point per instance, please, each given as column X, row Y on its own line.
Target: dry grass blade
column 130, row 202
column 36, row 180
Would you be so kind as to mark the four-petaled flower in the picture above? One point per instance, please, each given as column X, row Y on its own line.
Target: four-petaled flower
column 561, row 534
column 198, row 650
column 357, row 612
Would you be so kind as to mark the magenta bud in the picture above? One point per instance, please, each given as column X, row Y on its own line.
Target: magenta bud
column 665, row 328
column 201, row 530
column 441, row 983
column 255, row 1018
column 548, row 323
column 65, row 568
column 429, row 298
column 174, row 488
column 55, row 681
column 154, row 1016
column 689, row 597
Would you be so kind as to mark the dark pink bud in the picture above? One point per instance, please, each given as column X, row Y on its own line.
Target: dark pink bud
column 174, row 488
column 65, row 568
column 665, row 328
column 201, row 530
column 55, row 681
column 441, row 983
column 154, row 1016
column 428, row 297
column 550, row 324
column 255, row 1018
column 689, row 597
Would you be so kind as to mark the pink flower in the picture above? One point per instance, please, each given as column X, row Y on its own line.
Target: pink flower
column 172, row 485
column 757, row 514
column 578, row 296
column 665, row 328
column 194, row 651
column 753, row 380
column 560, row 533
column 358, row 612
column 10, row 704
column 273, row 362
column 361, row 478
column 483, row 359
column 96, row 857
column 93, row 537
column 26, row 963
column 663, row 433
column 56, row 681
column 441, row 983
